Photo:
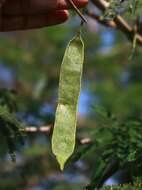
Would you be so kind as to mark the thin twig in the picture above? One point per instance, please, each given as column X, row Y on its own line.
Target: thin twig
column 42, row 129
column 108, row 23
column 77, row 11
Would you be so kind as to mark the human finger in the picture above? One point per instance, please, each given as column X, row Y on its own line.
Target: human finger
column 10, row 23
column 30, row 7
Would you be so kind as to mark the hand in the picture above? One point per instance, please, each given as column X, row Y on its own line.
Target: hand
column 28, row 14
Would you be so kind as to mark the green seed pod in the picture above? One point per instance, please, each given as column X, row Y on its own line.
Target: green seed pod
column 63, row 139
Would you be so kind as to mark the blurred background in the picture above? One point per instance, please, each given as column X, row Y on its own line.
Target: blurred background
column 110, row 104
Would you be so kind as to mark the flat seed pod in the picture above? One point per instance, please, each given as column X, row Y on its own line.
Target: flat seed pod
column 63, row 139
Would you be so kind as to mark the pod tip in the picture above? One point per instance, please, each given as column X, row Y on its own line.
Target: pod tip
column 61, row 162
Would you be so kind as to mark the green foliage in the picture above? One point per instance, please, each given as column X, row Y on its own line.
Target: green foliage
column 8, row 183
column 10, row 128
column 136, row 186
column 117, row 145
column 130, row 7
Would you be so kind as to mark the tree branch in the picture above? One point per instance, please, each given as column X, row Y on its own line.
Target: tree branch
column 119, row 22
column 48, row 130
